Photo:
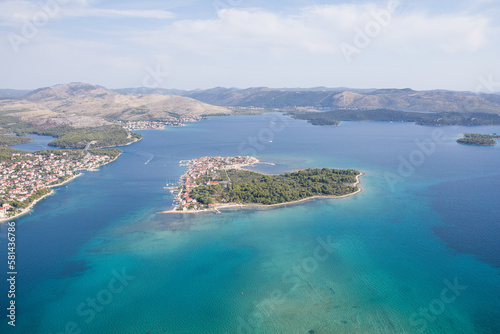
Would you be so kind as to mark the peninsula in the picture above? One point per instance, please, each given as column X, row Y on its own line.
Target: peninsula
column 211, row 183
column 26, row 177
column 478, row 139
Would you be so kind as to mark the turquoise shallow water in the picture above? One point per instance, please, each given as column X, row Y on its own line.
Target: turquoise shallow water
column 99, row 258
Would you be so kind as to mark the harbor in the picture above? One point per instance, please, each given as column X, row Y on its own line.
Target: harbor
column 203, row 171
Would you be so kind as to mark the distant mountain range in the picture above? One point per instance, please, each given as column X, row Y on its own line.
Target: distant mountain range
column 339, row 98
column 157, row 103
column 83, row 99
column 12, row 93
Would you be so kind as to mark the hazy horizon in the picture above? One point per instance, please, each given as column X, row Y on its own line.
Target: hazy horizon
column 254, row 87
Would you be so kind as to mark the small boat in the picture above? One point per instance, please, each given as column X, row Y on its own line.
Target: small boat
column 169, row 185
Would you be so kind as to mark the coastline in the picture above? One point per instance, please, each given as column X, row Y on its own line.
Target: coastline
column 28, row 209
column 132, row 142
column 256, row 205
column 65, row 181
column 31, row 206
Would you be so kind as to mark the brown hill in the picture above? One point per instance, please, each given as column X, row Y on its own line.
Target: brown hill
column 343, row 98
column 89, row 100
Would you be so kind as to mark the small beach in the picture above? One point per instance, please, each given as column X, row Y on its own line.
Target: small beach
column 26, row 210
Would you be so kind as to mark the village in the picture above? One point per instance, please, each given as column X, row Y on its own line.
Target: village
column 206, row 171
column 159, row 124
column 27, row 177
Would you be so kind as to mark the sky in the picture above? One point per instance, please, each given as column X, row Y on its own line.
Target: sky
column 200, row 44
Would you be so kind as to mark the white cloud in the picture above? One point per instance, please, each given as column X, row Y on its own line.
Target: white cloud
column 15, row 13
column 250, row 46
column 317, row 29
column 442, row 33
column 118, row 13
column 240, row 30
column 305, row 47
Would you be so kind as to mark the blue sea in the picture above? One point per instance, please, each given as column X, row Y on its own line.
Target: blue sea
column 417, row 251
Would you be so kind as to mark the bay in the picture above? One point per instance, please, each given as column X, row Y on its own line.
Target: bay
column 98, row 256
column 39, row 143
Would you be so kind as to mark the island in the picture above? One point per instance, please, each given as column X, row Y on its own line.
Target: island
column 478, row 139
column 211, row 183
column 26, row 178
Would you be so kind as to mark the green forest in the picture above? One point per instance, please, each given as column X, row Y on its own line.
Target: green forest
column 68, row 137
column 14, row 140
column 334, row 117
column 252, row 187
column 104, row 136
column 478, row 139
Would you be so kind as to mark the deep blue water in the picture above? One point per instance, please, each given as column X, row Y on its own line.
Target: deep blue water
column 428, row 213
